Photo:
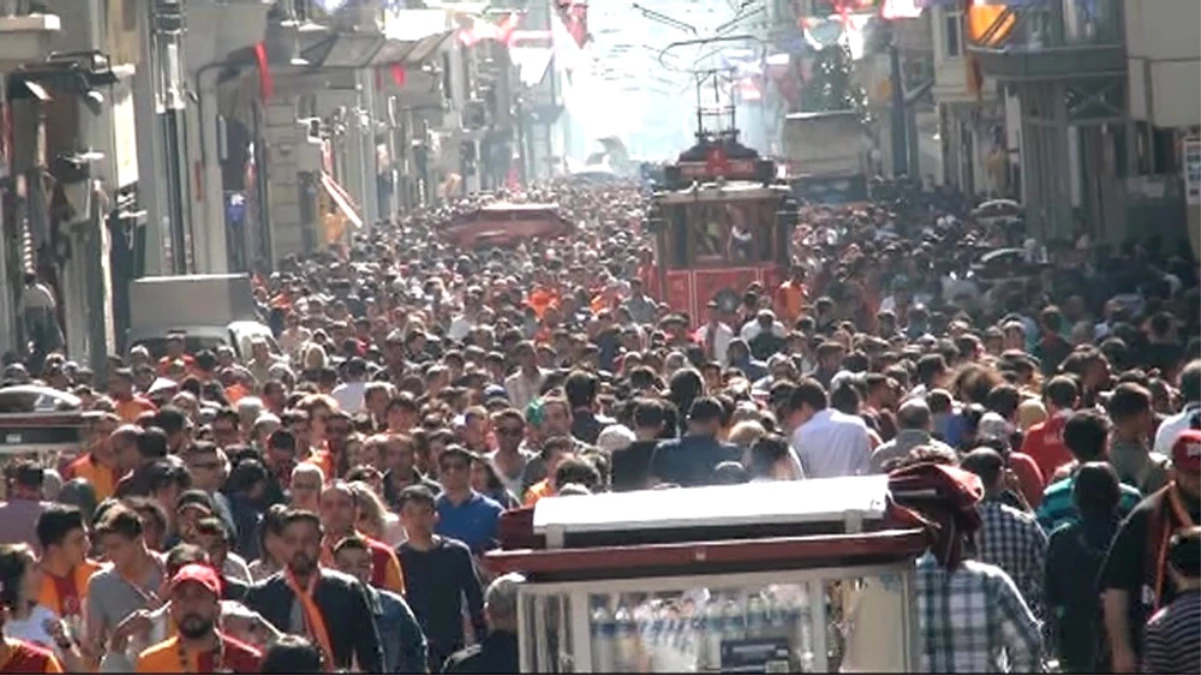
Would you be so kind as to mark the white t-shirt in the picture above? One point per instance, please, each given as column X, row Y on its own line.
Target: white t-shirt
column 833, row 444
column 460, row 326
column 349, row 396
column 721, row 343
column 1170, row 428
column 33, row 628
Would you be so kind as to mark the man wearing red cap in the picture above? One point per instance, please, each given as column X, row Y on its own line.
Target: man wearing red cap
column 199, row 647
column 1134, row 579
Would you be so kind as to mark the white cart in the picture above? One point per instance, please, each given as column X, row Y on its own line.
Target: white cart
column 779, row 577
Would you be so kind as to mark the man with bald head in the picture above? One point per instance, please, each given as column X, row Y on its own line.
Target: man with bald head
column 496, row 653
column 339, row 513
column 915, row 424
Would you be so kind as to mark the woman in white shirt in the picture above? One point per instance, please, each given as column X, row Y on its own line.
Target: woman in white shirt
column 20, row 586
column 270, row 558
column 375, row 520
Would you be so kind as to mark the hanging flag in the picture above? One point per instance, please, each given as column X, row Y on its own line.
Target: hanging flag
column 749, row 90
column 988, row 25
column 983, row 18
column 891, row 10
column 266, row 85
column 399, row 74
column 479, row 29
column 568, row 53
column 821, row 33
column 574, row 14
column 844, row 8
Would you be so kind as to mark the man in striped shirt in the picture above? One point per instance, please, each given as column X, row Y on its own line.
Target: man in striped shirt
column 1173, row 635
column 1086, row 435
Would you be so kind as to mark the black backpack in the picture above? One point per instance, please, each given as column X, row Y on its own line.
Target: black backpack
column 1078, row 626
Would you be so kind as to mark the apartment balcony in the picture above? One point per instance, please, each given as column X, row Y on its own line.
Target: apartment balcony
column 24, row 36
column 1054, row 40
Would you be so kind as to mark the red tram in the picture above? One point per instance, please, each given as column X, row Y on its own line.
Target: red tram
column 722, row 221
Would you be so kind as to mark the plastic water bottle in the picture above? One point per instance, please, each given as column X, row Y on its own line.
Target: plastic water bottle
column 756, row 618
column 656, row 637
column 777, row 618
column 627, row 641
column 604, row 632
column 735, row 621
column 804, row 627
column 712, row 631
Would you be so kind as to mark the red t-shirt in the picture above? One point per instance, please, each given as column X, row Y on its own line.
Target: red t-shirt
column 1030, row 478
column 24, row 657
column 1044, row 444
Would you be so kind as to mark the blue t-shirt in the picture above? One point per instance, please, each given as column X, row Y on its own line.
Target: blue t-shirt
column 474, row 522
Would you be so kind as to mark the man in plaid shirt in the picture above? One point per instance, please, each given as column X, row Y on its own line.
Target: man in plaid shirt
column 972, row 619
column 1008, row 538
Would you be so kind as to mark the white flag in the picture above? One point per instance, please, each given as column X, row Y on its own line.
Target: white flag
column 901, row 9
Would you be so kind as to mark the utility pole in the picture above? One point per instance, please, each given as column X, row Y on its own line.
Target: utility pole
column 169, row 54
column 168, row 22
column 900, row 130
column 159, row 97
column 151, row 196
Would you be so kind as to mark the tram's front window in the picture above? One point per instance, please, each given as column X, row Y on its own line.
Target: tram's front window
column 677, row 237
column 736, row 231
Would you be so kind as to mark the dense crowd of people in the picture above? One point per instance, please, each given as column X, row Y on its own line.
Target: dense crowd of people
column 323, row 502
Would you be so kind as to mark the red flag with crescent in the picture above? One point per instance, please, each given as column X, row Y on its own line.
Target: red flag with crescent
column 266, row 85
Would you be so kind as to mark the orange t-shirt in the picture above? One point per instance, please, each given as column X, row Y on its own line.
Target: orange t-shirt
column 65, row 596
column 236, row 393
column 386, row 572
column 164, row 657
column 164, row 364
column 24, row 657
column 102, row 478
column 540, row 299
column 323, row 459
column 129, row 409
column 537, row 491
column 790, row 301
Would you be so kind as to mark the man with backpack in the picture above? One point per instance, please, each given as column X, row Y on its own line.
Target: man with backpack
column 1075, row 553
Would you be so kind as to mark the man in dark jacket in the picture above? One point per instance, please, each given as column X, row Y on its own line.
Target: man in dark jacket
column 498, row 653
column 402, row 641
column 336, row 614
column 689, row 461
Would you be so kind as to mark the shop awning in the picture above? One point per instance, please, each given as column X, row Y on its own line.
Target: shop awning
column 346, row 213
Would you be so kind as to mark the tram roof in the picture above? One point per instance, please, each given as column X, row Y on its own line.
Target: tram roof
column 720, row 191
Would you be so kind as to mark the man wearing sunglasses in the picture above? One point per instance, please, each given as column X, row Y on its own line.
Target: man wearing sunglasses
column 463, row 513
